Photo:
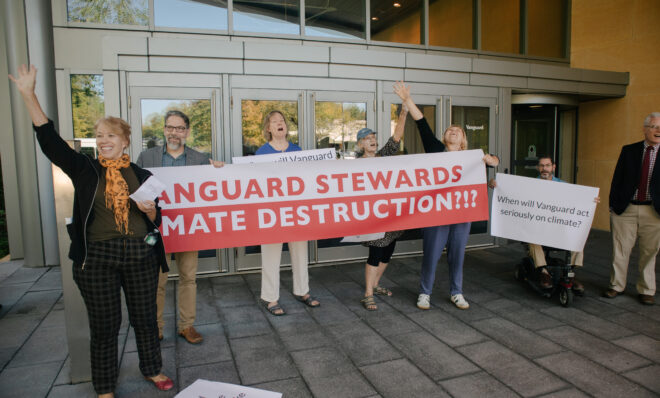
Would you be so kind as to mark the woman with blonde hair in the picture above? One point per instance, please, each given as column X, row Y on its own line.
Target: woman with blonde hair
column 115, row 243
column 454, row 236
column 276, row 133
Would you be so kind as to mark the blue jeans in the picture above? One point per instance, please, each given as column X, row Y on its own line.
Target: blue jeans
column 455, row 237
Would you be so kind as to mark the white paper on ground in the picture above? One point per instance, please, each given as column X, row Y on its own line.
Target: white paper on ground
column 214, row 389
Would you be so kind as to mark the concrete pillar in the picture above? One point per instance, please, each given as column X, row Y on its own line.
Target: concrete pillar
column 41, row 53
column 24, row 140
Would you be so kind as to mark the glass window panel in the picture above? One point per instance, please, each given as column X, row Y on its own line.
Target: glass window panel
column 210, row 14
column 252, row 116
column 197, row 110
column 124, row 12
column 411, row 143
column 546, row 26
column 399, row 24
column 337, row 124
column 267, row 16
column 474, row 120
column 450, row 23
column 335, row 19
column 500, row 26
column 87, row 106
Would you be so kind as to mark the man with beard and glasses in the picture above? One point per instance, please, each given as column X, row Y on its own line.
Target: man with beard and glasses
column 175, row 153
column 546, row 168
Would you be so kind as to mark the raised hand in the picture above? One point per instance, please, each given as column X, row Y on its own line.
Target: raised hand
column 27, row 79
column 402, row 90
column 25, row 82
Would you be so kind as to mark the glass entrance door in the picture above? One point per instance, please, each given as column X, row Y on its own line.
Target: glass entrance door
column 337, row 117
column 317, row 119
column 544, row 130
column 411, row 240
column 477, row 117
column 148, row 106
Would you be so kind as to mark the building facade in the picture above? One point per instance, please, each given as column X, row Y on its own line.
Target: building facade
column 499, row 68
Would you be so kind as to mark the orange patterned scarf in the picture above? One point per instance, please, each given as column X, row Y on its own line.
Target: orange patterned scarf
column 116, row 190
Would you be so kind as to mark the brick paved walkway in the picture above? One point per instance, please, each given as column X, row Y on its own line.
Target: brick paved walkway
column 511, row 342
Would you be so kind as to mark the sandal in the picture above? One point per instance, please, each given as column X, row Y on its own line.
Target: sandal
column 369, row 303
column 274, row 310
column 309, row 301
column 382, row 291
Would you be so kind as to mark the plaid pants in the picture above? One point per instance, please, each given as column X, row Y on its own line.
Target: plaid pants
column 111, row 265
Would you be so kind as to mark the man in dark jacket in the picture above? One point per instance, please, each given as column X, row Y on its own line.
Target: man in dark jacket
column 176, row 153
column 635, row 212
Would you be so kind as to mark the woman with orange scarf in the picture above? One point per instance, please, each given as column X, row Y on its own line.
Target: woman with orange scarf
column 114, row 241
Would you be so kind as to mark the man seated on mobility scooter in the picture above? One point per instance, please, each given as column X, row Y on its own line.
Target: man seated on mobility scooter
column 546, row 167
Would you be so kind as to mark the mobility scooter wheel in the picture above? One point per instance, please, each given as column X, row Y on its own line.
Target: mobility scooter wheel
column 518, row 273
column 565, row 297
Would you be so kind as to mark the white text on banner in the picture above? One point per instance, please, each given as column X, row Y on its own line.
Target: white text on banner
column 248, row 204
column 550, row 213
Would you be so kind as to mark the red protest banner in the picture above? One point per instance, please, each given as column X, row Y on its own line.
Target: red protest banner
column 240, row 205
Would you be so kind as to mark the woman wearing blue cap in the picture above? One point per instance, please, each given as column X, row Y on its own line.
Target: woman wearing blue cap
column 454, row 236
column 380, row 250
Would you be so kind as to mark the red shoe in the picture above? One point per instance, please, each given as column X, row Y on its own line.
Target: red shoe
column 163, row 385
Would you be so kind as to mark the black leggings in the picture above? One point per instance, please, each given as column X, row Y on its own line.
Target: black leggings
column 379, row 255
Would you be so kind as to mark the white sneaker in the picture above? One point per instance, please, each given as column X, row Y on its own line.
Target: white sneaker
column 424, row 302
column 459, row 301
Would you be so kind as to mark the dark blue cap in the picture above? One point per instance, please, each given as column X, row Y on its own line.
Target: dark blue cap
column 364, row 132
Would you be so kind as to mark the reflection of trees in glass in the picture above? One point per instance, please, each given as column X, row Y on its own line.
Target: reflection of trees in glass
column 252, row 116
column 337, row 124
column 86, row 103
column 199, row 113
column 125, row 12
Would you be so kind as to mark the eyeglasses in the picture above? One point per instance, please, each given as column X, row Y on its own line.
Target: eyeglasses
column 653, row 127
column 178, row 129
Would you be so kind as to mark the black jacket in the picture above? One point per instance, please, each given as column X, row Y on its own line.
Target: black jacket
column 84, row 173
column 626, row 178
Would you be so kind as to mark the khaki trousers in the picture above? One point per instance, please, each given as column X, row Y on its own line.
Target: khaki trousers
column 637, row 221
column 536, row 253
column 271, row 257
column 186, row 262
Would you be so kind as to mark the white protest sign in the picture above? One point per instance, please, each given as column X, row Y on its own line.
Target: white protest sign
column 550, row 213
column 296, row 156
column 213, row 389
